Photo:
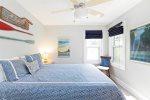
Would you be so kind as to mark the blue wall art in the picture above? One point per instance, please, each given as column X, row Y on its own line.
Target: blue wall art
column 140, row 44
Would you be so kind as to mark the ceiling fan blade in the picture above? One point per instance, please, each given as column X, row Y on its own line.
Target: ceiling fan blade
column 62, row 10
column 95, row 13
column 95, row 2
column 74, row 1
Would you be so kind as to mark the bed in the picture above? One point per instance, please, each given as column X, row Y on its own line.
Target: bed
column 62, row 82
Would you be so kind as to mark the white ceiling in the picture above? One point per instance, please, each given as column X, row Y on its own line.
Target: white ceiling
column 41, row 9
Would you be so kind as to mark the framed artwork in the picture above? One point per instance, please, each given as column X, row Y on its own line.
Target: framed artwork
column 11, row 18
column 140, row 44
column 63, row 47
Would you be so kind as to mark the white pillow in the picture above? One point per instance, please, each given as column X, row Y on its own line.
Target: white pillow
column 22, row 58
column 14, row 58
column 2, row 74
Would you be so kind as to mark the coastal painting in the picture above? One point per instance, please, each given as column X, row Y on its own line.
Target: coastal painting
column 140, row 44
column 63, row 47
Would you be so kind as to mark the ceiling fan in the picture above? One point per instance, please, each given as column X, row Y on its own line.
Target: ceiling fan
column 82, row 8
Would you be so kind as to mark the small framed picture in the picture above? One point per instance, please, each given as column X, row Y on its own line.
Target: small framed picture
column 63, row 47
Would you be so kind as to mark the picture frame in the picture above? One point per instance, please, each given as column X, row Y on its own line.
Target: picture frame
column 140, row 44
column 63, row 47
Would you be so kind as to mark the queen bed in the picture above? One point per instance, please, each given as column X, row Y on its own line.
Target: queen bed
column 62, row 82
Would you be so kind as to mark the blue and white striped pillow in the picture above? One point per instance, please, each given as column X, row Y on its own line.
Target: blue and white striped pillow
column 20, row 67
column 2, row 74
column 9, row 70
column 28, row 58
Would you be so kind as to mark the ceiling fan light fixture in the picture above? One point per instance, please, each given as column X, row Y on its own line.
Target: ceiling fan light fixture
column 81, row 13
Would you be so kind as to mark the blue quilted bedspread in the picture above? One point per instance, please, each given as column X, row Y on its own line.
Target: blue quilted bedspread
column 62, row 82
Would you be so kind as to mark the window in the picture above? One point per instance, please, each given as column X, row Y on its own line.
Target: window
column 92, row 50
column 117, row 45
column 118, row 51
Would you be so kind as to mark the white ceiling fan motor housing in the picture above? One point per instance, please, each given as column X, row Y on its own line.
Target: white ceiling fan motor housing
column 80, row 11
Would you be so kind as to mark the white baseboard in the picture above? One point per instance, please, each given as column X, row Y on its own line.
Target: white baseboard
column 131, row 90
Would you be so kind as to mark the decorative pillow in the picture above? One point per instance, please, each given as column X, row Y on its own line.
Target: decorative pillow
column 33, row 57
column 2, row 74
column 20, row 67
column 9, row 70
column 33, row 66
column 28, row 58
column 105, row 62
column 14, row 58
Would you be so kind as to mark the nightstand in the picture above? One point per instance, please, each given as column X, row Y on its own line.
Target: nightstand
column 47, row 62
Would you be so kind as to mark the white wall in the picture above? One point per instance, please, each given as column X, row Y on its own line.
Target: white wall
column 10, row 48
column 136, row 74
column 76, row 35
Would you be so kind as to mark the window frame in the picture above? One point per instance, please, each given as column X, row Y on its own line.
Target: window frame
column 85, row 52
column 111, row 50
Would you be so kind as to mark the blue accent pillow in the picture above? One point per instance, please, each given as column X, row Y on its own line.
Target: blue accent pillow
column 38, row 58
column 9, row 70
column 105, row 62
column 28, row 58
column 20, row 67
column 33, row 57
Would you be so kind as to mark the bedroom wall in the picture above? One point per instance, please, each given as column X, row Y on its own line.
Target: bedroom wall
column 9, row 48
column 135, row 78
column 76, row 35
